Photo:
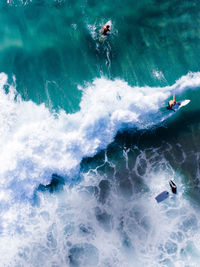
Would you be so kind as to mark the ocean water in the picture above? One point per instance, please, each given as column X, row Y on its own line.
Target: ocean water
column 86, row 139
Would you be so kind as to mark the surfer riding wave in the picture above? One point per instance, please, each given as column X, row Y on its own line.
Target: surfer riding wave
column 172, row 103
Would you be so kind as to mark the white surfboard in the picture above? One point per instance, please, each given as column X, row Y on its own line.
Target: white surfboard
column 181, row 104
column 184, row 102
column 108, row 23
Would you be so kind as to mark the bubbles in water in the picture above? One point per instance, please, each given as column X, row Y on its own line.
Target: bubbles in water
column 83, row 255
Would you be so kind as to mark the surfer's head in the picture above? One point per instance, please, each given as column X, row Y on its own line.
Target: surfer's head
column 108, row 27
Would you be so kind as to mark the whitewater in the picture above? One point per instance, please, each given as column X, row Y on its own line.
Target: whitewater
column 81, row 224
column 38, row 142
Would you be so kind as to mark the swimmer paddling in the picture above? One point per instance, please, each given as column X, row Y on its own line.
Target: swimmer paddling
column 105, row 29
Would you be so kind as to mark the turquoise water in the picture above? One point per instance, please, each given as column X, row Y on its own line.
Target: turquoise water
column 86, row 140
column 50, row 49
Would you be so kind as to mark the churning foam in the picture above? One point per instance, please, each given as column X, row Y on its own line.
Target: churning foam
column 36, row 143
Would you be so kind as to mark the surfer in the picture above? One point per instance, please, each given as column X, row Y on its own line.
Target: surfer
column 172, row 103
column 173, row 186
column 105, row 29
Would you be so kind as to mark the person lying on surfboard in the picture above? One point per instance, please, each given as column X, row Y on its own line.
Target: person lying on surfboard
column 172, row 103
column 105, row 29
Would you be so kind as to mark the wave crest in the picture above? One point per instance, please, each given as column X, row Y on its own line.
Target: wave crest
column 35, row 143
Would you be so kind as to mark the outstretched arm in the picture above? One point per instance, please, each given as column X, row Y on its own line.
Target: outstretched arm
column 173, row 97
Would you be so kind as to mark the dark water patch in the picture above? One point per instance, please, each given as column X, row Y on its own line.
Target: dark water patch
column 56, row 185
column 83, row 255
column 190, row 167
column 104, row 187
column 193, row 194
column 86, row 229
column 141, row 167
column 132, row 157
column 69, row 230
column 122, row 183
column 106, row 169
column 104, row 219
column 173, row 130
column 127, row 245
column 92, row 162
column 125, row 188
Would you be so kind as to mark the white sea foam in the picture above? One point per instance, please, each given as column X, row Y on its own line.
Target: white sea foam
column 36, row 143
column 73, row 228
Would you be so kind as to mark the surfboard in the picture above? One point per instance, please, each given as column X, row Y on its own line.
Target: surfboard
column 108, row 23
column 162, row 196
column 181, row 104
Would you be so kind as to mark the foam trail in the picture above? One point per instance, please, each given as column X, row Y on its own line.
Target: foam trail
column 35, row 143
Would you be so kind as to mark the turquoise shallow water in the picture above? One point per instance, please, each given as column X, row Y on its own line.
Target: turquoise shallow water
column 49, row 46
column 86, row 140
